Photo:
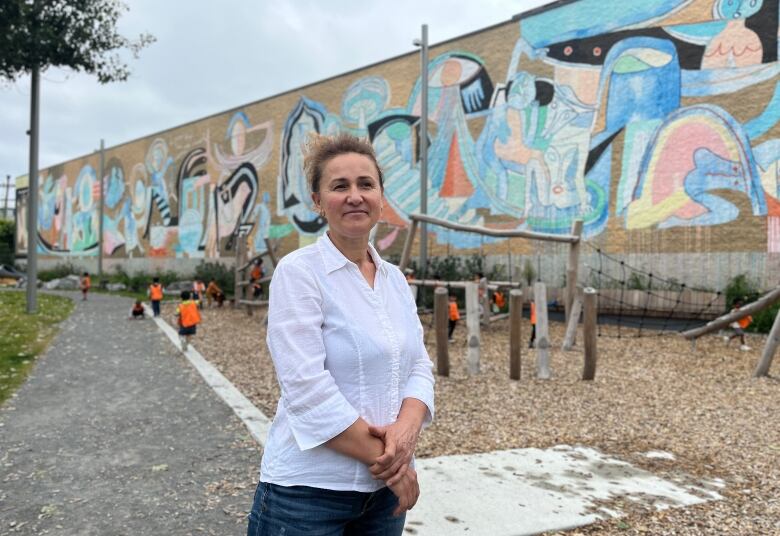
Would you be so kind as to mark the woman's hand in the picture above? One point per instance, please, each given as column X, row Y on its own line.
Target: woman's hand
column 400, row 440
column 407, row 489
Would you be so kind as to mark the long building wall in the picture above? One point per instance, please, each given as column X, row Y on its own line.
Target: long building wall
column 654, row 121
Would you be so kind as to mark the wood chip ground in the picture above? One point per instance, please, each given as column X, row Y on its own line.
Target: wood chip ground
column 650, row 393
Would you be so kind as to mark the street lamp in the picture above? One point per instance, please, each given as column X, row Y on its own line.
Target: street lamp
column 423, row 141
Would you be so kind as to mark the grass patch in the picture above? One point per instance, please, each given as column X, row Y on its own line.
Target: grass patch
column 23, row 336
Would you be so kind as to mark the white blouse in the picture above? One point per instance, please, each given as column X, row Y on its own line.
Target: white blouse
column 341, row 350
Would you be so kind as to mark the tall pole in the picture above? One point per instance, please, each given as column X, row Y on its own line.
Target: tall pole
column 101, row 174
column 6, row 212
column 424, row 148
column 32, row 198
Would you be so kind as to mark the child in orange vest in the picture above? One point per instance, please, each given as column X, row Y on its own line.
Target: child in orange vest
column 533, row 325
column 155, row 295
column 739, row 327
column 454, row 316
column 86, row 283
column 499, row 301
column 189, row 317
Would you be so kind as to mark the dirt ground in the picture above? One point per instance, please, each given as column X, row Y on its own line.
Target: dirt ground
column 650, row 393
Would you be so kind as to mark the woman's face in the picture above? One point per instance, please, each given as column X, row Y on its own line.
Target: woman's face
column 350, row 195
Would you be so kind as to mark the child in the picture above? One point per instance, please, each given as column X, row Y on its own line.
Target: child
column 454, row 316
column 533, row 325
column 198, row 289
column 257, row 270
column 214, row 293
column 137, row 310
column 499, row 301
column 86, row 283
column 188, row 317
column 156, row 296
column 739, row 327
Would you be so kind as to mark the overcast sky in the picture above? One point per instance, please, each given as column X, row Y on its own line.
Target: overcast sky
column 211, row 56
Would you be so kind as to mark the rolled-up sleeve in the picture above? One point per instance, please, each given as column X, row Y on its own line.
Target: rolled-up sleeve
column 317, row 410
column 420, row 382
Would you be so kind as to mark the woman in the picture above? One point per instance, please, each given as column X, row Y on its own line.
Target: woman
column 355, row 377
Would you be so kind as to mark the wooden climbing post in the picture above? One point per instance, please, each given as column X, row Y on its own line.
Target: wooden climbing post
column 770, row 348
column 485, row 301
column 238, row 287
column 407, row 252
column 542, row 332
column 571, row 327
column 472, row 325
column 515, row 332
column 441, row 316
column 589, row 333
column 571, row 269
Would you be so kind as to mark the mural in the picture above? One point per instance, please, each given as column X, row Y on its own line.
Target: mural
column 655, row 115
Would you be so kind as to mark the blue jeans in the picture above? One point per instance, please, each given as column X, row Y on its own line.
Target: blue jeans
column 299, row 510
column 156, row 307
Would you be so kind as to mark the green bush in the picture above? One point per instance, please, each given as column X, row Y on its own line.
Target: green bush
column 763, row 320
column 7, row 229
column 741, row 288
column 59, row 271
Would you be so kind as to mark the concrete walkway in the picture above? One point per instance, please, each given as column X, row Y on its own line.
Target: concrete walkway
column 115, row 433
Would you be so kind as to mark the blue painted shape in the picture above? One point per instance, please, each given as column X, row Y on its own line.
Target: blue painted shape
column 587, row 18
column 760, row 125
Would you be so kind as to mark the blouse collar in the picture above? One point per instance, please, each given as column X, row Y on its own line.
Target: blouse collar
column 335, row 259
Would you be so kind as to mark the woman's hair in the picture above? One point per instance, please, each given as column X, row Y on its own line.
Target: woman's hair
column 321, row 149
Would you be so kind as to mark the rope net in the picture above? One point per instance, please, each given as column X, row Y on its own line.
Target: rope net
column 677, row 312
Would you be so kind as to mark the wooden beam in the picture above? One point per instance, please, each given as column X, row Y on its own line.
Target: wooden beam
column 770, row 348
column 589, row 333
column 542, row 332
column 498, row 233
column 441, row 316
column 767, row 300
column 515, row 333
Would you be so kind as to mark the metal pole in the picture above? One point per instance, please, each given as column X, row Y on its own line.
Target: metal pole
column 424, row 149
column 100, row 223
column 32, row 198
column 7, row 191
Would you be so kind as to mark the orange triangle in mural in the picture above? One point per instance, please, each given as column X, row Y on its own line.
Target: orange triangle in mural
column 456, row 182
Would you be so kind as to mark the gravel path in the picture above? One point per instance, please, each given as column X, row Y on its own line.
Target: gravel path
column 114, row 433
column 651, row 393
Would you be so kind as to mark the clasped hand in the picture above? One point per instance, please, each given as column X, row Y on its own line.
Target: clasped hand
column 394, row 465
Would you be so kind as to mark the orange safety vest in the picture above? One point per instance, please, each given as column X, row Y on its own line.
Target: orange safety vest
column 86, row 282
column 454, row 313
column 533, row 313
column 257, row 273
column 498, row 297
column 155, row 292
column 745, row 322
column 188, row 313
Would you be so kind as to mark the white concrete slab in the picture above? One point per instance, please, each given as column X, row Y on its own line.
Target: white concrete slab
column 528, row 491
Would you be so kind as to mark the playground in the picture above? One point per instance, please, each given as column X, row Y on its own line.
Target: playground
column 649, row 394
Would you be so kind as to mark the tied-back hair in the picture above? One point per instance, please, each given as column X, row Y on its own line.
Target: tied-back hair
column 321, row 149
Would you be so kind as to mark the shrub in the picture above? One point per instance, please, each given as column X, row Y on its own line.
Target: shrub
column 59, row 271
column 763, row 320
column 741, row 288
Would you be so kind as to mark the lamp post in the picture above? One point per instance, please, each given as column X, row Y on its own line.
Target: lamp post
column 423, row 140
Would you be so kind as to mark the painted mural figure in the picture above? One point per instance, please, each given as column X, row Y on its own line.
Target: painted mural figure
column 233, row 198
